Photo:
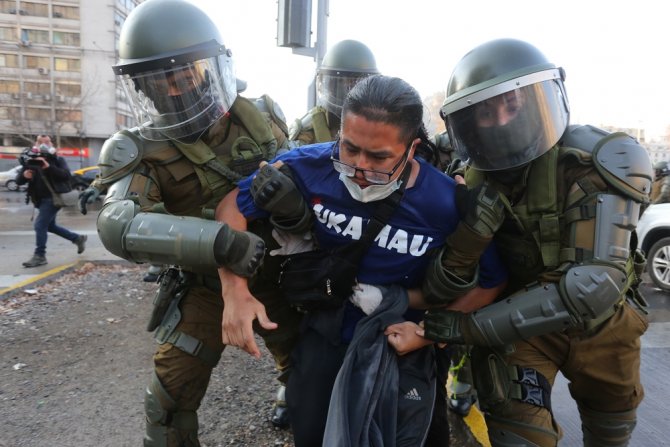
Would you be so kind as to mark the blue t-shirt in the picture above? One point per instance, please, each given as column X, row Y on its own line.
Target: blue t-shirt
column 426, row 215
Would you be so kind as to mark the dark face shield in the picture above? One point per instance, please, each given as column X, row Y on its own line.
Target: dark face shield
column 508, row 129
column 181, row 103
column 332, row 88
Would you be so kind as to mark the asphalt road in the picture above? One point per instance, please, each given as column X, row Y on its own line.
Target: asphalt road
column 17, row 244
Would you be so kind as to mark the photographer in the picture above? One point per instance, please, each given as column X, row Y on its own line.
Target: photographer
column 47, row 176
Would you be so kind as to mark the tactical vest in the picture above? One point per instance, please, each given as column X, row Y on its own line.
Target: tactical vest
column 550, row 217
column 316, row 121
column 219, row 173
column 657, row 187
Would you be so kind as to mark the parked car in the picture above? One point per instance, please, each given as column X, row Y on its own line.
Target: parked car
column 83, row 177
column 653, row 234
column 8, row 179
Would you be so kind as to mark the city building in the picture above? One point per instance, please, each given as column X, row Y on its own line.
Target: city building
column 56, row 76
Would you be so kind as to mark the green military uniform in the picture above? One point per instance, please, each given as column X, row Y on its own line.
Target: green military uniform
column 660, row 189
column 317, row 126
column 345, row 63
column 573, row 196
column 166, row 176
column 164, row 179
column 602, row 359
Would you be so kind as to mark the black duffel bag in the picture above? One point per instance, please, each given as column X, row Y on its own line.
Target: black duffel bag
column 319, row 279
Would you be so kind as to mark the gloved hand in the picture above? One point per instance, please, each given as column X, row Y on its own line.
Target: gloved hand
column 89, row 195
column 451, row 327
column 239, row 251
column 274, row 191
column 483, row 212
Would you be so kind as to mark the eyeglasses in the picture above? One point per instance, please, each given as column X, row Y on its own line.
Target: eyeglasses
column 370, row 175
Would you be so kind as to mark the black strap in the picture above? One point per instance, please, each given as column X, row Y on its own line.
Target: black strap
column 381, row 216
column 534, row 387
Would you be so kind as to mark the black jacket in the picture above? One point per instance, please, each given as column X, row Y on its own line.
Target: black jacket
column 58, row 174
column 379, row 398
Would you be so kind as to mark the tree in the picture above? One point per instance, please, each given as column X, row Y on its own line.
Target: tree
column 433, row 103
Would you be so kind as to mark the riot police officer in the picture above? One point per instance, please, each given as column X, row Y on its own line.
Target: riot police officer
column 573, row 197
column 346, row 63
column 660, row 189
column 197, row 137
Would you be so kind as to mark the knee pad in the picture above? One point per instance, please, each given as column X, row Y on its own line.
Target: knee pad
column 164, row 421
column 507, row 433
column 157, row 402
column 607, row 429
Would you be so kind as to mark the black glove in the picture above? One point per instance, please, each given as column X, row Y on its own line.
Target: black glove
column 452, row 327
column 89, row 195
column 481, row 208
column 274, row 191
column 240, row 251
column 483, row 212
column 444, row 326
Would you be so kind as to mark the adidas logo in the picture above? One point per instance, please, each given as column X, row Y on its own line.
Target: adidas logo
column 413, row 394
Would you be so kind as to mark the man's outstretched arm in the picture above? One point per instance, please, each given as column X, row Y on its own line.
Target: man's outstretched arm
column 240, row 307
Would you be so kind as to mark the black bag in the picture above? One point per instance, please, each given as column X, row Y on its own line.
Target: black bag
column 322, row 279
column 55, row 194
column 318, row 280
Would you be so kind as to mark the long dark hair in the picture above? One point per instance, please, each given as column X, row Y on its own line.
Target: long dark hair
column 389, row 100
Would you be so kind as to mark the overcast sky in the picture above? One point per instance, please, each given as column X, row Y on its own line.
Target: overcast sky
column 615, row 52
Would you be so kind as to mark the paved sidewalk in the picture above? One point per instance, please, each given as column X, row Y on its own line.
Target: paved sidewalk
column 17, row 242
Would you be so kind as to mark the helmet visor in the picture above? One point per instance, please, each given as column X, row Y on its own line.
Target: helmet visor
column 332, row 88
column 512, row 128
column 180, row 103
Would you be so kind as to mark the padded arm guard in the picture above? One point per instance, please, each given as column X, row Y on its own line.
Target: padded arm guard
column 587, row 295
column 120, row 154
column 198, row 244
column 441, row 286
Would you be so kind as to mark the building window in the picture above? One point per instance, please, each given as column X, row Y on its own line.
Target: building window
column 62, row 64
column 8, row 7
column 33, row 113
column 66, row 12
column 7, row 33
column 63, row 38
column 63, row 115
column 39, row 88
column 34, row 9
column 36, row 62
column 10, row 113
column 35, row 35
column 9, row 87
column 68, row 89
column 9, row 60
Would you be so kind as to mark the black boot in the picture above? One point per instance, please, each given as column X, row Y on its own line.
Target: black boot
column 461, row 405
column 279, row 416
column 35, row 261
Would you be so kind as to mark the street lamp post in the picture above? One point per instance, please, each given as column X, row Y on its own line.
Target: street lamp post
column 82, row 135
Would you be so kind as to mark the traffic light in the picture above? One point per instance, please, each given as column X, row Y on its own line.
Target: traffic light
column 294, row 20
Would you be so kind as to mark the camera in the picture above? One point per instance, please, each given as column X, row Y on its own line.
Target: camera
column 28, row 158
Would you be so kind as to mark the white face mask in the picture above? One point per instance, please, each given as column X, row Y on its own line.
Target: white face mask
column 370, row 193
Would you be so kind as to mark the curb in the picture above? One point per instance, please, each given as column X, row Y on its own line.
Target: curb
column 475, row 422
column 44, row 277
